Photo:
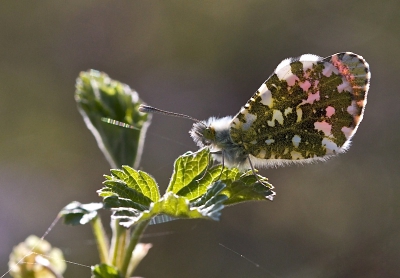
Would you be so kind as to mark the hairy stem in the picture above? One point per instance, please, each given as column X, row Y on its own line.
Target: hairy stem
column 101, row 239
column 117, row 243
column 136, row 234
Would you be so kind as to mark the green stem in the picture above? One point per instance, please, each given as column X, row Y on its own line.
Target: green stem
column 137, row 233
column 122, row 245
column 117, row 243
column 101, row 239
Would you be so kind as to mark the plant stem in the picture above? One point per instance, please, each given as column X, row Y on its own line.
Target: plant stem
column 124, row 239
column 137, row 233
column 101, row 239
column 117, row 248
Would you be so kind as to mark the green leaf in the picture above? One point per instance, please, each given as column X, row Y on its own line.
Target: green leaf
column 174, row 206
column 98, row 98
column 187, row 167
column 105, row 271
column 191, row 179
column 212, row 202
column 76, row 213
column 192, row 175
column 196, row 190
column 248, row 188
column 131, row 184
column 133, row 196
column 129, row 193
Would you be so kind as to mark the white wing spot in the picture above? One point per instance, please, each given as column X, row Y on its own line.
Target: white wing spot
column 283, row 64
column 269, row 141
column 266, row 97
column 263, row 88
column 309, row 58
column 236, row 122
column 249, row 118
column 277, row 115
column 352, row 109
column 271, row 123
column 345, row 86
column 296, row 141
column 299, row 113
column 328, row 69
column 262, row 154
column 296, row 155
column 287, row 111
column 331, row 147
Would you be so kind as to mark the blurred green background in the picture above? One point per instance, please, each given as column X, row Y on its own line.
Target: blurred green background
column 202, row 58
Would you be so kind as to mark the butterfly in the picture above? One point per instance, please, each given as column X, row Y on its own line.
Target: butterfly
column 308, row 110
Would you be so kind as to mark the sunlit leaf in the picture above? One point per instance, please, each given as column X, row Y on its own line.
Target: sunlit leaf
column 248, row 188
column 129, row 193
column 76, row 213
column 192, row 184
column 186, row 168
column 100, row 98
column 196, row 190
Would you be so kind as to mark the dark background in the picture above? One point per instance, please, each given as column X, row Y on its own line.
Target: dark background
column 202, row 58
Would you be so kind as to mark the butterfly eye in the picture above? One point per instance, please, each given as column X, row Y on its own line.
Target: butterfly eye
column 209, row 134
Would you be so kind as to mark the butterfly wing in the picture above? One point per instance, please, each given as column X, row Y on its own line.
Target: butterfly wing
column 307, row 110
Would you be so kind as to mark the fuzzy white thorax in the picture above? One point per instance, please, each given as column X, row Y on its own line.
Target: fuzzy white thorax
column 219, row 124
column 214, row 133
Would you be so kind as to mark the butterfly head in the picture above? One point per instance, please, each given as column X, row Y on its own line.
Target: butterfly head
column 213, row 133
column 203, row 135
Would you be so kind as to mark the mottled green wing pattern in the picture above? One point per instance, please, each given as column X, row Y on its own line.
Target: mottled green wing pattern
column 307, row 110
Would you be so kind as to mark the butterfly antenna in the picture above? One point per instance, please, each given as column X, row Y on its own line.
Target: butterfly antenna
column 150, row 109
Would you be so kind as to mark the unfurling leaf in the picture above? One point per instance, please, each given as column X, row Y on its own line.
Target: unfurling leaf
column 100, row 99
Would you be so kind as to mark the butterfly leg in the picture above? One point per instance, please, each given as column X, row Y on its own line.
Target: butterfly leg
column 253, row 170
column 205, row 171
